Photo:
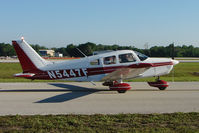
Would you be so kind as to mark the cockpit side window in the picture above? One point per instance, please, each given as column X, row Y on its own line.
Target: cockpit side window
column 95, row 62
column 142, row 57
column 109, row 60
column 124, row 58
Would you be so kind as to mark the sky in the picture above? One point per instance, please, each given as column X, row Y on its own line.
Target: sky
column 57, row 23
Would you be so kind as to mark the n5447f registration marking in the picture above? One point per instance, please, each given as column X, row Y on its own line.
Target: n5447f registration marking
column 69, row 73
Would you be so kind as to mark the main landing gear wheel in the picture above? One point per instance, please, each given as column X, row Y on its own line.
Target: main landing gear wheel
column 162, row 88
column 121, row 91
column 118, row 86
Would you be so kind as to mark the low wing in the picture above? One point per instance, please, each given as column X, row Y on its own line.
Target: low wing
column 128, row 72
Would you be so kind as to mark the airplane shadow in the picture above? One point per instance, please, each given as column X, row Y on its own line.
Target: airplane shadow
column 74, row 92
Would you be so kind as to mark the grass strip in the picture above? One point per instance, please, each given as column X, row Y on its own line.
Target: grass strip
column 167, row 123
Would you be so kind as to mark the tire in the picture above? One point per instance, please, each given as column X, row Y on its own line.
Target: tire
column 121, row 91
column 162, row 88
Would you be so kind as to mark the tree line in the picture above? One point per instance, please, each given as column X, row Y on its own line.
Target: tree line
column 88, row 48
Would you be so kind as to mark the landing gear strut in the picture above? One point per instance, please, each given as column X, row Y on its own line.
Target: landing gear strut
column 118, row 86
column 161, row 84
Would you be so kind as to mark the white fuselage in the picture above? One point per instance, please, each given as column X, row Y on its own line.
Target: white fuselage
column 78, row 69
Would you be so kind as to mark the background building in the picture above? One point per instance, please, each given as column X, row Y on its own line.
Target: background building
column 47, row 52
column 58, row 54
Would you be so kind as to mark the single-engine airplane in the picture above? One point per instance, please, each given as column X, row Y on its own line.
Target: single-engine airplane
column 111, row 67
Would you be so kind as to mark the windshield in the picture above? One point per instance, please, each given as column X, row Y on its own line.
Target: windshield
column 141, row 56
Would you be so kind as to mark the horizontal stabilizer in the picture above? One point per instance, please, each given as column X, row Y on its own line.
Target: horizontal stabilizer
column 24, row 75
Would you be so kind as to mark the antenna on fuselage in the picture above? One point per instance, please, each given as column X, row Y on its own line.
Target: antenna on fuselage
column 172, row 56
column 172, row 50
column 81, row 52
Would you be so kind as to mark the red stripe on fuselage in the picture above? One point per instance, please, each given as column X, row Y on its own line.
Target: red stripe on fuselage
column 162, row 64
column 104, row 70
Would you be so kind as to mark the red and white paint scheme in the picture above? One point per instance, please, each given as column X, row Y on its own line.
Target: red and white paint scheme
column 111, row 67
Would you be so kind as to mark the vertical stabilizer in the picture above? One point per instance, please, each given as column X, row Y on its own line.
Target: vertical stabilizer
column 30, row 60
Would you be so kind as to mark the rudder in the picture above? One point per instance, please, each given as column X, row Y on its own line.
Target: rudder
column 29, row 59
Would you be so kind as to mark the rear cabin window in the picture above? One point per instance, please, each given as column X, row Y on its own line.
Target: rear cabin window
column 124, row 58
column 95, row 62
column 109, row 60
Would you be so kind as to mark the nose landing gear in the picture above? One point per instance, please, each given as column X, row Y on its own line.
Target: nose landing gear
column 161, row 84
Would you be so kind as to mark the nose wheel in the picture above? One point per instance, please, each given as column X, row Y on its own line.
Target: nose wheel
column 161, row 84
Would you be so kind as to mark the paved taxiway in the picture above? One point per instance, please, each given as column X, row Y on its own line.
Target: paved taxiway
column 84, row 98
